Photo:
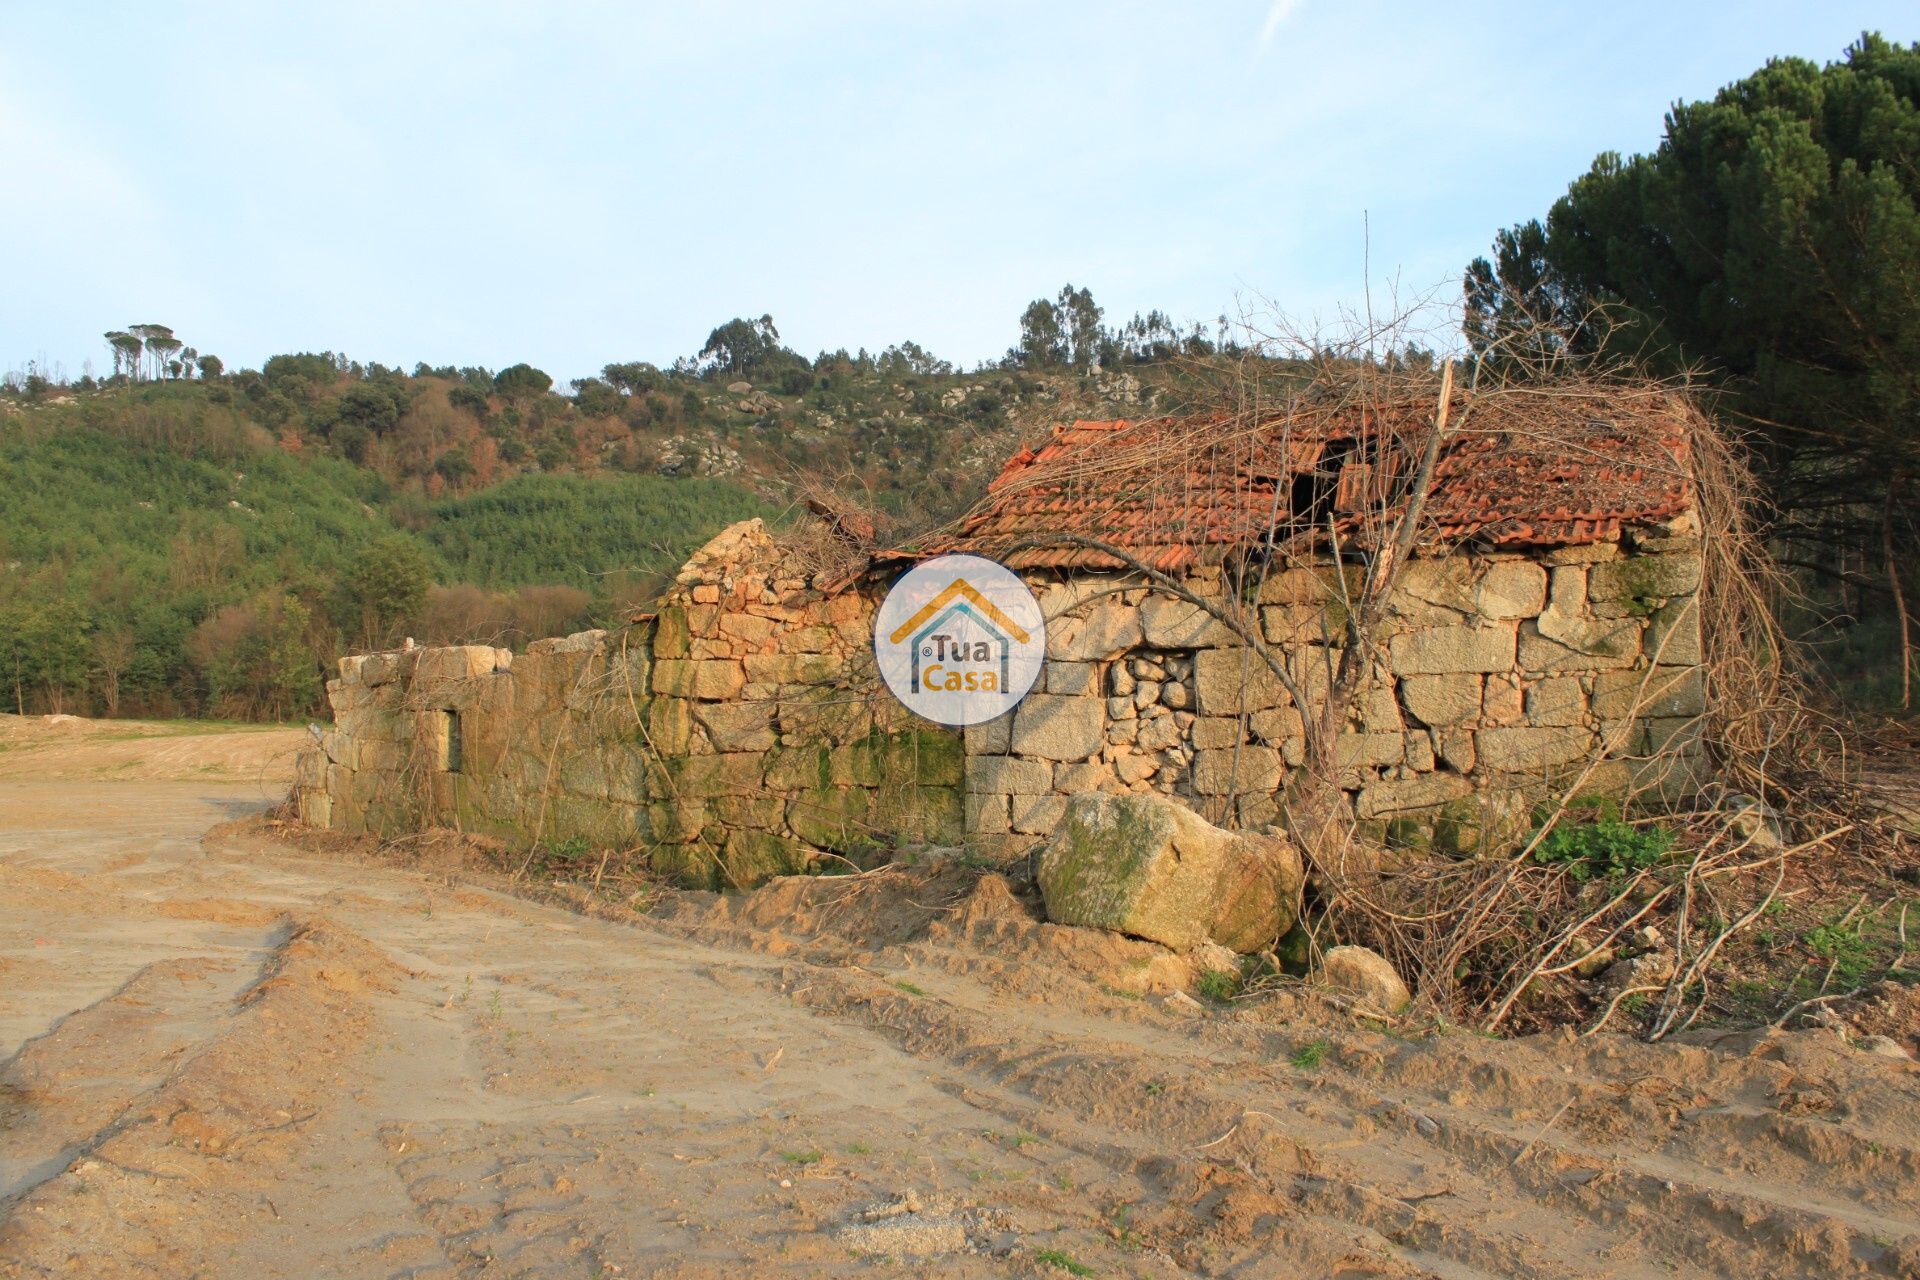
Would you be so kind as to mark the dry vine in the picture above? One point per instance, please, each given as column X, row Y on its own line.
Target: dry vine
column 1486, row 938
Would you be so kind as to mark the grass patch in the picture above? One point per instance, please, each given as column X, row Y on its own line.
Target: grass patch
column 1063, row 1261
column 197, row 728
column 1120, row 1216
column 1813, row 948
column 1218, row 985
column 910, row 988
column 555, row 857
column 1843, row 945
column 1310, row 1055
column 803, row 1158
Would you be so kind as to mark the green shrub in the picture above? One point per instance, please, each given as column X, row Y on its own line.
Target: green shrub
column 1217, row 984
column 1843, row 944
column 1606, row 848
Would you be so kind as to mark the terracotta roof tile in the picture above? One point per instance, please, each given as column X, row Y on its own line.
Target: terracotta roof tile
column 1182, row 491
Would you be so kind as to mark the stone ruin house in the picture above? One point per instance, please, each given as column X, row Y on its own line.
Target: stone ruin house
column 1545, row 636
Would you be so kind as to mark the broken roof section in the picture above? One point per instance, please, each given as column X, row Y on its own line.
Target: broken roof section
column 1525, row 470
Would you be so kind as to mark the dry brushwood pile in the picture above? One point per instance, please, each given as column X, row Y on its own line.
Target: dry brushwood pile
column 1748, row 878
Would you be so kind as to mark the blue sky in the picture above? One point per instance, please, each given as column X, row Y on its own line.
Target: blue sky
column 575, row 183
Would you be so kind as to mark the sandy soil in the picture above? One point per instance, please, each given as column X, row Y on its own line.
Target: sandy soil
column 238, row 1057
column 69, row 747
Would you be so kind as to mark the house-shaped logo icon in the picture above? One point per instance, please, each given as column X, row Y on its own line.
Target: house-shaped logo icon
column 959, row 639
column 926, row 639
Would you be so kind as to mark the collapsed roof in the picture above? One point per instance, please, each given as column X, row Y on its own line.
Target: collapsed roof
column 1522, row 470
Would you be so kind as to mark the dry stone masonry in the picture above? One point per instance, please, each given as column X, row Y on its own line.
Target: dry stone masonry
column 737, row 734
column 1546, row 638
column 1502, row 678
column 741, row 732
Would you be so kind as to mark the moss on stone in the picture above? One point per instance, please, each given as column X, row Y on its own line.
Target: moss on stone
column 931, row 815
column 859, row 764
column 1335, row 616
column 1609, row 785
column 761, row 811
column 904, row 757
column 1295, row 950
column 1371, row 831
column 675, row 677
column 473, row 814
column 601, row 824
column 754, row 857
column 1456, row 828
column 1108, row 860
column 837, row 818
column 939, row 757
column 690, row 866
column 672, row 636
column 810, row 717
column 1634, row 579
column 677, row 820
column 669, row 727
column 705, row 777
column 1407, row 832
column 798, row 767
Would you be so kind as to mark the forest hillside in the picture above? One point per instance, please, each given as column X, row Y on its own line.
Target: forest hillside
column 184, row 539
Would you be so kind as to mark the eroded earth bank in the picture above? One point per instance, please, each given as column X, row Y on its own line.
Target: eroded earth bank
column 225, row 1055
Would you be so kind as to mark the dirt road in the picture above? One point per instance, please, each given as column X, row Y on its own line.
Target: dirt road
column 231, row 1058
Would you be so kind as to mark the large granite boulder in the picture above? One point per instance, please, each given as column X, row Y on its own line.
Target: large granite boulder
column 1147, row 866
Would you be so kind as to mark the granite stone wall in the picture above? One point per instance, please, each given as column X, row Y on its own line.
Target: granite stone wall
column 1503, row 678
column 742, row 732
column 738, row 734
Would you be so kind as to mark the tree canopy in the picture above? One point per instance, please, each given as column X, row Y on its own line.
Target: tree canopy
column 522, row 380
column 142, row 351
column 746, row 349
column 1771, row 240
column 1061, row 332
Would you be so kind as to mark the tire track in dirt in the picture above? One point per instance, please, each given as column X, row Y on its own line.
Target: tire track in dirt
column 1165, row 1116
column 159, row 1188
column 60, row 1092
column 1614, row 1166
column 905, row 1073
column 1811, row 1190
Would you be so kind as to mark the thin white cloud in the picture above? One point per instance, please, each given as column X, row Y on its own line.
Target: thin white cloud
column 1276, row 17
